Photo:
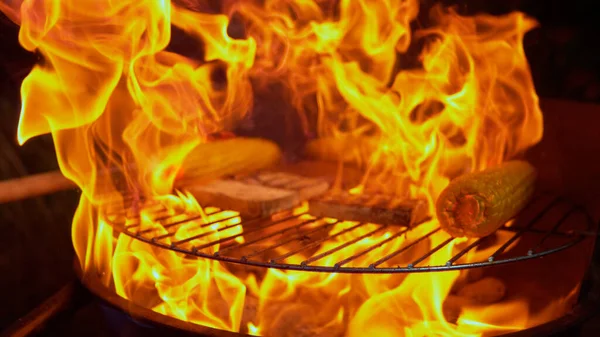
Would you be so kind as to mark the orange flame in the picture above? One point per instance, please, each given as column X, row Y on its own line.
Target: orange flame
column 125, row 109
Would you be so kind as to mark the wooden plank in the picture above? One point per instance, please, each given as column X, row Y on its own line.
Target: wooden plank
column 259, row 194
column 249, row 200
column 380, row 209
column 306, row 187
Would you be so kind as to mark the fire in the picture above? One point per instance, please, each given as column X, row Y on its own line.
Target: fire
column 125, row 106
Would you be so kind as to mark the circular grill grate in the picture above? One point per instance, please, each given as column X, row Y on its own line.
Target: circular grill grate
column 293, row 240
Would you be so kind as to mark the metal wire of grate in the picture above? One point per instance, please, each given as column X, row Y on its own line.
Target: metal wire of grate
column 293, row 240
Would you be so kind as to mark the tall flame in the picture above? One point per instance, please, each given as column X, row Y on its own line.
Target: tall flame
column 470, row 103
column 125, row 107
column 115, row 97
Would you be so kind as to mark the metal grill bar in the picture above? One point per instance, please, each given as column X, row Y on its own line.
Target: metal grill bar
column 429, row 253
column 167, row 217
column 263, row 237
column 301, row 224
column 342, row 246
column 370, row 249
column 199, row 236
column 271, row 224
column 326, row 225
column 315, row 243
column 208, row 224
column 554, row 229
column 464, row 251
column 190, row 219
column 523, row 230
column 403, row 249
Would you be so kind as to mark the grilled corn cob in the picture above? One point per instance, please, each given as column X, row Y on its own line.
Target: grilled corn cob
column 477, row 204
column 227, row 157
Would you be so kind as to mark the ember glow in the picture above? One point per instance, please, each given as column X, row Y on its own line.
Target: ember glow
column 125, row 111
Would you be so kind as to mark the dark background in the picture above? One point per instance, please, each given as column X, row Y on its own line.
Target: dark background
column 35, row 249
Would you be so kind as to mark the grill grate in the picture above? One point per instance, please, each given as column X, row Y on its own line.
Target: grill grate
column 293, row 240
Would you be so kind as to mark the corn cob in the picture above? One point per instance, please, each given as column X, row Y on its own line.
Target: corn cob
column 477, row 204
column 228, row 157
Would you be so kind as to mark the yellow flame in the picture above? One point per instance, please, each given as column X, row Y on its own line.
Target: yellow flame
column 125, row 108
column 253, row 330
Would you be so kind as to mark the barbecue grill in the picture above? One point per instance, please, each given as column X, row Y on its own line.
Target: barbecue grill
column 546, row 228
column 549, row 225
